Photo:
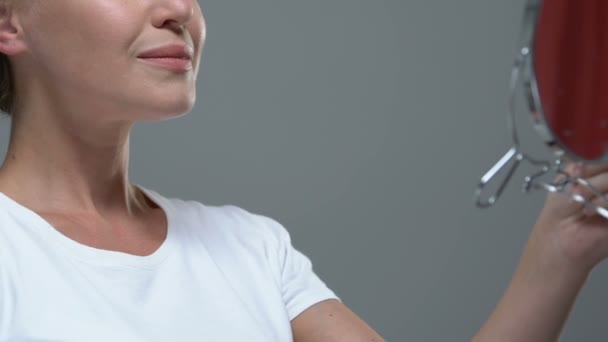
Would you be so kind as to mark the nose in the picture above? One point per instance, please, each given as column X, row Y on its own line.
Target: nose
column 173, row 13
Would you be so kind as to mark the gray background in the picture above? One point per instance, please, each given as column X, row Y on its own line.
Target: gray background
column 364, row 127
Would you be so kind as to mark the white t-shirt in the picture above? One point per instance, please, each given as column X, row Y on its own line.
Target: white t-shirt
column 222, row 274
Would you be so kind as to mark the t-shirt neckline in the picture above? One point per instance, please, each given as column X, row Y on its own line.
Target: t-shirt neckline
column 97, row 256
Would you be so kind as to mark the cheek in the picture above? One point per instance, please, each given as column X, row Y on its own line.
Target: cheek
column 84, row 24
column 84, row 41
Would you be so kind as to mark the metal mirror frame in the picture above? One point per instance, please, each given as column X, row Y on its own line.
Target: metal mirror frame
column 524, row 63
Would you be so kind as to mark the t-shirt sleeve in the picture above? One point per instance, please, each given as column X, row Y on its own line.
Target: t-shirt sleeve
column 301, row 287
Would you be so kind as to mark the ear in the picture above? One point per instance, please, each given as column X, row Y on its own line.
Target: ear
column 11, row 33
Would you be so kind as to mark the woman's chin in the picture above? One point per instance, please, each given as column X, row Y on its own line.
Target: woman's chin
column 170, row 109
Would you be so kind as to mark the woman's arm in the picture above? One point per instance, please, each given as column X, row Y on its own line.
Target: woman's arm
column 537, row 302
column 332, row 321
column 567, row 242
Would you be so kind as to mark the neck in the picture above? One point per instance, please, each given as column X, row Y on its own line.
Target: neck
column 68, row 166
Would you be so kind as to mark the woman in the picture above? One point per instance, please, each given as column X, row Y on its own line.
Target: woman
column 87, row 256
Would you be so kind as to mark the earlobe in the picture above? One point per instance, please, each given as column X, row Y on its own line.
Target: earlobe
column 11, row 41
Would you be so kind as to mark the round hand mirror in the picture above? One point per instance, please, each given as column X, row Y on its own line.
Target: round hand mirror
column 564, row 63
column 567, row 76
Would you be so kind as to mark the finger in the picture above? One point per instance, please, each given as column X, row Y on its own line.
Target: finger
column 573, row 169
column 593, row 188
column 591, row 170
column 585, row 170
column 599, row 199
column 569, row 170
column 563, row 203
column 599, row 203
column 584, row 191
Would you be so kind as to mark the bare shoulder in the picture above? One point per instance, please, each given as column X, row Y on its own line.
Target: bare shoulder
column 332, row 321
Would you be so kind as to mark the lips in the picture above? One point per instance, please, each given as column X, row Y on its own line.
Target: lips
column 180, row 51
column 174, row 64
